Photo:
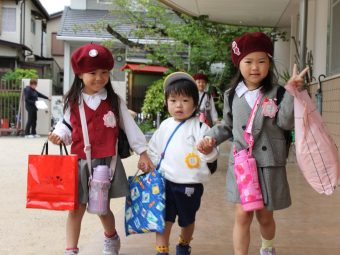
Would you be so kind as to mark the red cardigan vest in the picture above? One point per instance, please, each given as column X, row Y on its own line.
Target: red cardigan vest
column 102, row 139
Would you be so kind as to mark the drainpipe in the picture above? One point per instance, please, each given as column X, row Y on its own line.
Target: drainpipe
column 42, row 38
column 303, row 30
column 20, row 22
column 319, row 94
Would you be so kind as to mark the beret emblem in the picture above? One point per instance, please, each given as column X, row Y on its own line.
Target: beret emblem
column 93, row 53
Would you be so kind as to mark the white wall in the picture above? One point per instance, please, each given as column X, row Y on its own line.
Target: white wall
column 7, row 51
column 78, row 4
column 320, row 37
column 33, row 41
column 282, row 53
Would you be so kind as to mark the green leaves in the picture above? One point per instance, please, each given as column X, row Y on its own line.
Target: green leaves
column 154, row 99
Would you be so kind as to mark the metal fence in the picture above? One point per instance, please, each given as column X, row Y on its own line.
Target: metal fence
column 11, row 112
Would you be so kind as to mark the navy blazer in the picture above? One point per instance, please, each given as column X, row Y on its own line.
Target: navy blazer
column 31, row 95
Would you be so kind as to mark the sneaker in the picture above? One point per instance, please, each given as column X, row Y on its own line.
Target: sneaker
column 36, row 136
column 268, row 251
column 29, row 136
column 71, row 252
column 111, row 245
column 183, row 249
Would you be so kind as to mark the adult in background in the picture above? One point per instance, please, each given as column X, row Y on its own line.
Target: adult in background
column 31, row 96
column 206, row 106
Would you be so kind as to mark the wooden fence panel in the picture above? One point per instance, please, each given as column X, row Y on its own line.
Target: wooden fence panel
column 11, row 101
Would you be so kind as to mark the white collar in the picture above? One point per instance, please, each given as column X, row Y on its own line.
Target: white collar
column 250, row 95
column 93, row 101
column 242, row 89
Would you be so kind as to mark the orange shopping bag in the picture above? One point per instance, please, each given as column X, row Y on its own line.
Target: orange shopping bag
column 52, row 181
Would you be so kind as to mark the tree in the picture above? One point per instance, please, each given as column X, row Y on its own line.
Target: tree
column 177, row 41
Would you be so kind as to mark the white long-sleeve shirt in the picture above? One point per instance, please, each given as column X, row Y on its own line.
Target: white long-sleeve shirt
column 182, row 162
column 208, row 104
column 135, row 136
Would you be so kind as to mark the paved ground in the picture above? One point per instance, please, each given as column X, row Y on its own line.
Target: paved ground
column 311, row 226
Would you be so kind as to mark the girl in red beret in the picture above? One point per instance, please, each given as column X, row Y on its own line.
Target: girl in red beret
column 105, row 113
column 206, row 105
column 254, row 92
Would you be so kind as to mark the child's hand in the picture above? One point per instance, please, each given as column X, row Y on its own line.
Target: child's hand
column 297, row 79
column 54, row 138
column 144, row 163
column 206, row 145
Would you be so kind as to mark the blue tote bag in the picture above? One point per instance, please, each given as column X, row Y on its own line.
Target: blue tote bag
column 145, row 206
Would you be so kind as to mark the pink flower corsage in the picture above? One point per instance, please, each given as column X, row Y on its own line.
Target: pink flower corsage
column 109, row 119
column 269, row 107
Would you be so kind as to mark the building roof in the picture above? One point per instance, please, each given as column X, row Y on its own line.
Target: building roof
column 144, row 68
column 77, row 23
column 41, row 8
column 14, row 45
column 80, row 25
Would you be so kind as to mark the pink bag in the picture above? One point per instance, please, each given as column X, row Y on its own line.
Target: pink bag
column 316, row 152
column 247, row 181
column 245, row 169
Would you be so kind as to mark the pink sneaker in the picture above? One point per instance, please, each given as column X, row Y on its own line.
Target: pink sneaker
column 268, row 251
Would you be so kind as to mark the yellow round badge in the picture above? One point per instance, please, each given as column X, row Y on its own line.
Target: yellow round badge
column 192, row 160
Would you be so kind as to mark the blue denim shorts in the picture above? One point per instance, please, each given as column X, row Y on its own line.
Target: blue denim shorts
column 182, row 200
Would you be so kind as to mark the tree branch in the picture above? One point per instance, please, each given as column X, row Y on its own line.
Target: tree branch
column 131, row 44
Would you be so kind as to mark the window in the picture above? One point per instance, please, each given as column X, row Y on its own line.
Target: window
column 57, row 47
column 334, row 38
column 9, row 21
column 33, row 25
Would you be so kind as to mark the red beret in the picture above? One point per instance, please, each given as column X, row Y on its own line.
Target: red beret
column 200, row 76
column 91, row 57
column 248, row 43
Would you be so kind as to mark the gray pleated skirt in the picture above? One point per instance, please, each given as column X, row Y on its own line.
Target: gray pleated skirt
column 119, row 185
column 274, row 186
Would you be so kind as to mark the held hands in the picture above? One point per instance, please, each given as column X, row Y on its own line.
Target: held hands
column 54, row 138
column 297, row 79
column 144, row 163
column 206, row 145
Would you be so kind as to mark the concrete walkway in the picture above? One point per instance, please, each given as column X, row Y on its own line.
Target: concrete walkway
column 311, row 226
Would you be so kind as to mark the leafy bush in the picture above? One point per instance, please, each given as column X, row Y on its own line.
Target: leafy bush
column 18, row 74
column 146, row 126
column 154, row 100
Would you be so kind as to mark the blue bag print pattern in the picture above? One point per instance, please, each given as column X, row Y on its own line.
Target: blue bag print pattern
column 145, row 207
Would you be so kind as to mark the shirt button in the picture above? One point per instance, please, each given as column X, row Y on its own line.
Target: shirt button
column 264, row 148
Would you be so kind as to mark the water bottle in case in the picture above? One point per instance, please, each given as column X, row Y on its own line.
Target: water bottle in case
column 247, row 181
column 99, row 190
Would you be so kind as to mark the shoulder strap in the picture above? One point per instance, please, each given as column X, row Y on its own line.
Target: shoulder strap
column 87, row 148
column 280, row 93
column 199, row 104
column 167, row 143
column 230, row 100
